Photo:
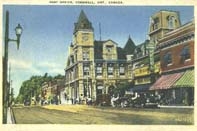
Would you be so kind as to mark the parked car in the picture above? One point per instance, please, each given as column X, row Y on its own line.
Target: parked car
column 27, row 103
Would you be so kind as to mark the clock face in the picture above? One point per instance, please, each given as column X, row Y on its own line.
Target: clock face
column 85, row 38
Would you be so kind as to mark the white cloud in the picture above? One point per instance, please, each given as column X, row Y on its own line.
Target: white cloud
column 49, row 64
column 57, row 71
column 52, row 67
column 26, row 66
column 21, row 64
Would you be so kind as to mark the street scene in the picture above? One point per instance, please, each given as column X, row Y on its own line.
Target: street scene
column 98, row 65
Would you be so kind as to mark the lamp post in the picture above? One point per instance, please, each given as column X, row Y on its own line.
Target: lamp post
column 18, row 31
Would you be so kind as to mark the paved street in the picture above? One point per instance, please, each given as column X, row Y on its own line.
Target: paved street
column 82, row 114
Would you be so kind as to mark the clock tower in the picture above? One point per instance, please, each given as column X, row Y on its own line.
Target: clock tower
column 80, row 66
column 83, row 31
column 83, row 38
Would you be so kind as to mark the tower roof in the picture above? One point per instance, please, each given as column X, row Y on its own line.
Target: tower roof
column 83, row 22
column 129, row 46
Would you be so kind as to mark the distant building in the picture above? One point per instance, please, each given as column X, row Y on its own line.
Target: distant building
column 95, row 67
column 51, row 91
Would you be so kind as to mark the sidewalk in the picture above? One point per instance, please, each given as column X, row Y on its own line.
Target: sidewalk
column 161, row 106
column 10, row 119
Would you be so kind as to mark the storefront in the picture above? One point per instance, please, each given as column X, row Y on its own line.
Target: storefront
column 176, row 88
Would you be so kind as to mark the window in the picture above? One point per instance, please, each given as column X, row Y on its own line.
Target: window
column 86, row 70
column 72, row 59
column 168, row 58
column 109, row 48
column 171, row 22
column 110, row 69
column 99, row 70
column 122, row 69
column 85, row 55
column 85, row 90
column 185, row 53
column 155, row 23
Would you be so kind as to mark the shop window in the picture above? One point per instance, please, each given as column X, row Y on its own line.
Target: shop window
column 168, row 58
column 185, row 53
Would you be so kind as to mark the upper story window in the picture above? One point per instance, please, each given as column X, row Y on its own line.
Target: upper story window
column 122, row 69
column 155, row 23
column 72, row 59
column 86, row 55
column 99, row 70
column 168, row 58
column 86, row 70
column 185, row 53
column 110, row 69
column 171, row 22
column 109, row 48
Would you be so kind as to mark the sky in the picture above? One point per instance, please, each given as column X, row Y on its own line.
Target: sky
column 48, row 31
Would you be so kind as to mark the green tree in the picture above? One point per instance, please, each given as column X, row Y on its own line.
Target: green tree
column 121, row 88
column 32, row 87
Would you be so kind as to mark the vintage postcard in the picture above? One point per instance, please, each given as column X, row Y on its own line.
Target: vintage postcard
column 83, row 64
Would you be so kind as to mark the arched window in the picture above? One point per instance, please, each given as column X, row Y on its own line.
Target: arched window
column 167, row 58
column 171, row 22
column 185, row 53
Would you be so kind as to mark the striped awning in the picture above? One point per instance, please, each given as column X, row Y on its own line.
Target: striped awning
column 166, row 81
column 187, row 80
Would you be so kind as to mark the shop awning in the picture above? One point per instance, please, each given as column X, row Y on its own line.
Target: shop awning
column 166, row 81
column 140, row 88
column 187, row 80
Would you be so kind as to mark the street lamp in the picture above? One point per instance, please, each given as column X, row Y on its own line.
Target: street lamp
column 18, row 31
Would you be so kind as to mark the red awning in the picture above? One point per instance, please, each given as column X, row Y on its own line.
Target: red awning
column 166, row 81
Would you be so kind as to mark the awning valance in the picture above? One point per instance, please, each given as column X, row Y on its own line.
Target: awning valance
column 166, row 81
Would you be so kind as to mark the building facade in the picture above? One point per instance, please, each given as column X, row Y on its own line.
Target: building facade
column 163, row 65
column 50, row 92
column 176, row 83
column 146, row 60
column 94, row 67
column 162, row 22
column 169, row 71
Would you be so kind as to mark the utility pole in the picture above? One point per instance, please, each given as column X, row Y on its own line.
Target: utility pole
column 18, row 31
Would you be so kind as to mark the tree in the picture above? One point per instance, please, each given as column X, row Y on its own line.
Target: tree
column 32, row 87
column 121, row 88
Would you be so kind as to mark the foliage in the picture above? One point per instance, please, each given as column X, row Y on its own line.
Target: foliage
column 32, row 87
column 121, row 88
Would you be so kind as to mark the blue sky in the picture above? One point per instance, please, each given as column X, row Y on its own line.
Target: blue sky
column 47, row 33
